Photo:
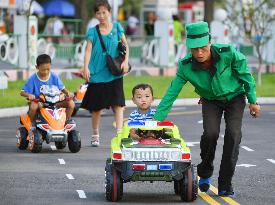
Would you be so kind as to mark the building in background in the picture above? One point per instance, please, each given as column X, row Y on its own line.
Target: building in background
column 191, row 11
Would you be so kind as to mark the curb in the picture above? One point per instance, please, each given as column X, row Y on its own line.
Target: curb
column 16, row 111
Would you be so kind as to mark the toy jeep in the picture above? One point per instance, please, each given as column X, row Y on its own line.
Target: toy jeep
column 160, row 154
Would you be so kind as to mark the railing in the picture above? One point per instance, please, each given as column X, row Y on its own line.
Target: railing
column 9, row 51
column 147, row 50
column 144, row 49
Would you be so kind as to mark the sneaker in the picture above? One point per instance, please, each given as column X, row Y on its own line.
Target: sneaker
column 95, row 141
column 204, row 184
column 227, row 193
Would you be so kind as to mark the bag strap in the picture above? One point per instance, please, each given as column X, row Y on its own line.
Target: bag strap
column 117, row 33
column 101, row 40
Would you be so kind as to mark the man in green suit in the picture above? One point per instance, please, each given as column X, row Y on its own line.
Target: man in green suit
column 220, row 76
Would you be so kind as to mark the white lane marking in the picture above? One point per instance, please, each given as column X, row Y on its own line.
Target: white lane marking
column 200, row 121
column 178, row 108
column 247, row 149
column 69, row 176
column 81, row 194
column 191, row 144
column 246, row 165
column 221, row 135
column 61, row 161
column 53, row 147
column 4, row 130
column 271, row 160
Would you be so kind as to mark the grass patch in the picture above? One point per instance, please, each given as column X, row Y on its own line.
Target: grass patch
column 159, row 84
column 11, row 97
column 267, row 87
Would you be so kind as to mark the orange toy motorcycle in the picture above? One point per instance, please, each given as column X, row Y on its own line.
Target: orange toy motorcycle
column 79, row 93
column 49, row 125
column 78, row 96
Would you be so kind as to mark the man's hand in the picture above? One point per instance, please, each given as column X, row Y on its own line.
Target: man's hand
column 254, row 110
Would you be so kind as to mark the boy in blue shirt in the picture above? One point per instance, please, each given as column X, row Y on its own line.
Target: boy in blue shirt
column 43, row 76
column 143, row 98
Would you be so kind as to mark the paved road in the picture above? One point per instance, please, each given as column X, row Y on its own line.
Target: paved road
column 59, row 177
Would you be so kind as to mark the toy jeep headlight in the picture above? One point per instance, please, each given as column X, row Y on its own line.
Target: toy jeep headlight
column 157, row 154
column 175, row 155
column 127, row 155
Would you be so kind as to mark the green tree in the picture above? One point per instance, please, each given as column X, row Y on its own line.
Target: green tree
column 208, row 10
column 84, row 11
column 253, row 19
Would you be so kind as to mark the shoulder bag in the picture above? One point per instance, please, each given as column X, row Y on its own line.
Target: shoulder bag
column 114, row 64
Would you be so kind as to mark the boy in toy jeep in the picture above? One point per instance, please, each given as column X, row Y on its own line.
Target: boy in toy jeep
column 44, row 76
column 220, row 76
column 143, row 97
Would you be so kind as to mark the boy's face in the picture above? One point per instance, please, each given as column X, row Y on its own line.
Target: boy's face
column 143, row 99
column 44, row 70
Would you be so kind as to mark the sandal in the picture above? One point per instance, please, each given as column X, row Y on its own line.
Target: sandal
column 95, row 141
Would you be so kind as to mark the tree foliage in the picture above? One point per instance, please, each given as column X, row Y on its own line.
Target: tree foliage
column 253, row 20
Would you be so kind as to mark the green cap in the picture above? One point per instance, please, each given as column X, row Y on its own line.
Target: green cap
column 197, row 34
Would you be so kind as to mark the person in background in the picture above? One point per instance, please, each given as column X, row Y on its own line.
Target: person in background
column 8, row 21
column 92, row 23
column 58, row 28
column 178, row 31
column 132, row 25
column 105, row 90
column 150, row 24
column 3, row 28
column 221, row 77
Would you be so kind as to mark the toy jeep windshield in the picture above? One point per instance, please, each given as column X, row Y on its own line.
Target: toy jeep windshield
column 159, row 154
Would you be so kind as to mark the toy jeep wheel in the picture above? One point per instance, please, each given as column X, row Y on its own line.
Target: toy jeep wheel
column 21, row 135
column 189, row 185
column 113, row 184
column 60, row 145
column 35, row 143
column 177, row 187
column 74, row 141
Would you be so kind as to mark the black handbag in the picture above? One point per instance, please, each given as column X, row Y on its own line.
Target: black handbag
column 114, row 64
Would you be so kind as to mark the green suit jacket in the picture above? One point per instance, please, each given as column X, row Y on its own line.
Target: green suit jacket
column 227, row 78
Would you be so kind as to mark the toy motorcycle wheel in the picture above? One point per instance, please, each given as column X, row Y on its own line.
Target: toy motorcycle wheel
column 35, row 142
column 75, row 111
column 189, row 185
column 60, row 145
column 177, row 187
column 113, row 184
column 21, row 135
column 74, row 141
